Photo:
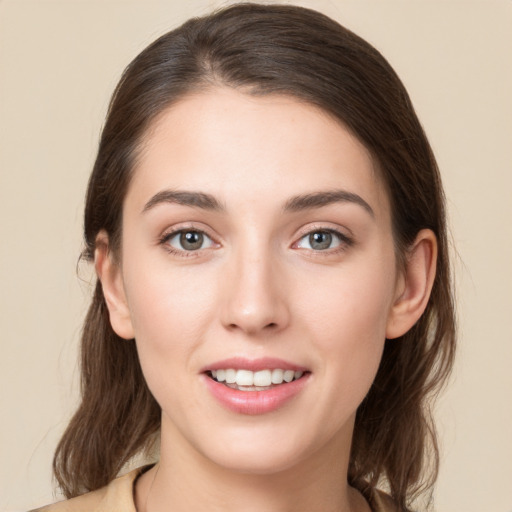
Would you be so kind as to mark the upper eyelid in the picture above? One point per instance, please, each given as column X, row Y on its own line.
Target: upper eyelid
column 173, row 230
column 167, row 236
column 171, row 234
column 343, row 232
column 346, row 240
column 342, row 238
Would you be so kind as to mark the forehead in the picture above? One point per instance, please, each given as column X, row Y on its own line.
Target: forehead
column 232, row 144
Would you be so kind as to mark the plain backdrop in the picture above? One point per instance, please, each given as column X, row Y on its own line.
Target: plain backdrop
column 59, row 62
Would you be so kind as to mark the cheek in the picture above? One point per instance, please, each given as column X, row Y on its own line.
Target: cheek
column 352, row 339
column 170, row 312
column 347, row 318
column 167, row 320
column 163, row 300
column 352, row 303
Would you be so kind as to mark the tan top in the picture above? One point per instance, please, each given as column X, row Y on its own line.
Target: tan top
column 117, row 496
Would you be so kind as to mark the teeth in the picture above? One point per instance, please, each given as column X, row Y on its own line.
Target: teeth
column 230, row 376
column 262, row 378
column 259, row 379
column 277, row 376
column 244, row 378
column 288, row 375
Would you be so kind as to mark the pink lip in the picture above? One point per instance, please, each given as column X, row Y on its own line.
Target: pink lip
column 264, row 363
column 254, row 402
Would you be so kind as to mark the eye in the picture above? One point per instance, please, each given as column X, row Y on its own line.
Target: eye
column 322, row 240
column 188, row 240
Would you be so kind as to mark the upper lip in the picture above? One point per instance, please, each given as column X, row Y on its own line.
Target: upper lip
column 264, row 363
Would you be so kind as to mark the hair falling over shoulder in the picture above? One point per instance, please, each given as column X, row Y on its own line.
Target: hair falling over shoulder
column 270, row 49
column 117, row 415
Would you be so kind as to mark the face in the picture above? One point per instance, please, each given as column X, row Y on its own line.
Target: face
column 257, row 248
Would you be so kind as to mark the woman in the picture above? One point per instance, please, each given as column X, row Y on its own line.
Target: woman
column 273, row 305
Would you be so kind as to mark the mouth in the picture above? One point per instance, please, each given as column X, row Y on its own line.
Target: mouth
column 261, row 380
column 255, row 386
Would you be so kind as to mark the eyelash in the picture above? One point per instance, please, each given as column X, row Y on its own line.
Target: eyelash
column 344, row 242
column 168, row 236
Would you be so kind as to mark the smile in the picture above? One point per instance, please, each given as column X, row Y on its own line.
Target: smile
column 247, row 380
column 254, row 387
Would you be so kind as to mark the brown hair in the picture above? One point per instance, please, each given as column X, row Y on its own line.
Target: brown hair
column 267, row 50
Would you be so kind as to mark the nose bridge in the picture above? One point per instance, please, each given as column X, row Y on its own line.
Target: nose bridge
column 253, row 298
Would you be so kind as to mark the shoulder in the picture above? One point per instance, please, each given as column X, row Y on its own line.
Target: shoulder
column 89, row 502
column 117, row 496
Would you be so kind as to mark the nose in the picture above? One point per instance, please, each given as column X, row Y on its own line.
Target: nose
column 254, row 295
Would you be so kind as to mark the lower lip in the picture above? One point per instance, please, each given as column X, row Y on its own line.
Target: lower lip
column 255, row 402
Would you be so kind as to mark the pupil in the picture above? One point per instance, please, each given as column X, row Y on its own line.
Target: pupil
column 191, row 240
column 320, row 240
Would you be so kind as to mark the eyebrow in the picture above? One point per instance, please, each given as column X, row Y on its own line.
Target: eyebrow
column 194, row 199
column 294, row 204
column 325, row 198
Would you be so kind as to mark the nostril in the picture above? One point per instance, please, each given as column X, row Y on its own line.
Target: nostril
column 271, row 326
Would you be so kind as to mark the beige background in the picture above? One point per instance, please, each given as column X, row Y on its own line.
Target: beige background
column 59, row 61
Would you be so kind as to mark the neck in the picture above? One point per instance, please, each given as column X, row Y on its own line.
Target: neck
column 185, row 480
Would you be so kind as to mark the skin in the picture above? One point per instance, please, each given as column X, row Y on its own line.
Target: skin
column 258, row 288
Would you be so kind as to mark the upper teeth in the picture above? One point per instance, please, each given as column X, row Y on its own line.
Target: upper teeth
column 260, row 378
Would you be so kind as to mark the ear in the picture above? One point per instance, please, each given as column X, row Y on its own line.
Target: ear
column 110, row 275
column 414, row 284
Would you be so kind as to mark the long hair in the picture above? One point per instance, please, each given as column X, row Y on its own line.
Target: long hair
column 271, row 49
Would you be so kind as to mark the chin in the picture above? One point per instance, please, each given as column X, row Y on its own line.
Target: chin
column 260, row 451
column 259, row 463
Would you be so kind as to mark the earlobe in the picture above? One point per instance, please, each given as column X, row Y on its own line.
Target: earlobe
column 415, row 285
column 110, row 276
